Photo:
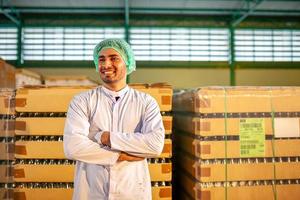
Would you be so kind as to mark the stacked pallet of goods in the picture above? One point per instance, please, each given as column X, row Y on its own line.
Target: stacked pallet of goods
column 7, row 116
column 238, row 142
column 41, row 168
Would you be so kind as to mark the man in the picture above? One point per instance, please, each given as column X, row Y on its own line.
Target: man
column 111, row 130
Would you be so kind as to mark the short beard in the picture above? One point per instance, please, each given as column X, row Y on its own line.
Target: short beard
column 109, row 81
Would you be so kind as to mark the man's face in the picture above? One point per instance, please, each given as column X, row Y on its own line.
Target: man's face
column 112, row 68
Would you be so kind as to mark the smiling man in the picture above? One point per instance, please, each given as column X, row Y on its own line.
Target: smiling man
column 111, row 130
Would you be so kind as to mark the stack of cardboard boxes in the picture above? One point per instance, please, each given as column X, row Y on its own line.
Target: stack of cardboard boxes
column 238, row 142
column 41, row 169
column 7, row 116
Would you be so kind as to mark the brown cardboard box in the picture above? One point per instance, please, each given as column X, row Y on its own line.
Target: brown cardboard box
column 55, row 125
column 6, row 151
column 65, row 173
column 215, row 172
column 158, row 193
column 214, row 126
column 27, row 77
column 57, row 99
column 6, row 174
column 54, row 149
column 7, row 101
column 73, row 80
column 6, row 194
column 7, row 75
column 256, row 192
column 7, row 127
column 238, row 100
column 216, row 149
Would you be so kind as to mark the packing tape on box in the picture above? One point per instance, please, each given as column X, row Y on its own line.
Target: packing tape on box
column 20, row 149
column 273, row 145
column 11, row 103
column 204, row 195
column 20, row 125
column 10, row 125
column 19, row 196
column 167, row 125
column 203, row 149
column 201, row 126
column 19, row 173
column 166, row 100
column 167, row 148
column 165, row 192
column 165, row 168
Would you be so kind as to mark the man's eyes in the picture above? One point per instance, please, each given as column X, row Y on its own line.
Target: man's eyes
column 112, row 59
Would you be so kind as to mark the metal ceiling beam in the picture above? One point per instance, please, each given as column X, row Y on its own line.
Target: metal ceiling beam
column 202, row 11
column 127, row 20
column 251, row 9
column 10, row 16
column 127, row 29
column 10, row 13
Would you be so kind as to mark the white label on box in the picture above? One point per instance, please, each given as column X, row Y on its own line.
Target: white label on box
column 286, row 127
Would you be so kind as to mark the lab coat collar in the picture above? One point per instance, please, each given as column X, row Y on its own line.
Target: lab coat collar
column 114, row 94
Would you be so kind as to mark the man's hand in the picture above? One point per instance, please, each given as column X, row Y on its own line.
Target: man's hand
column 105, row 138
column 126, row 157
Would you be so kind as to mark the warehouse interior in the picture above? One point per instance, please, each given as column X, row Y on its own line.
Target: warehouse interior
column 225, row 75
column 231, row 53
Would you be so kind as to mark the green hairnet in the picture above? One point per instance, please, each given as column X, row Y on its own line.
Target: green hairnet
column 122, row 47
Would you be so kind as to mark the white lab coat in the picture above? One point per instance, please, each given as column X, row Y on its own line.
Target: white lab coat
column 135, row 126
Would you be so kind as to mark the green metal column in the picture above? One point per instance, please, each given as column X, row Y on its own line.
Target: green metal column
column 127, row 29
column 232, row 56
column 19, row 44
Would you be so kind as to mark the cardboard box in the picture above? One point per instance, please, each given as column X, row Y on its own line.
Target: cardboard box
column 215, row 172
column 238, row 100
column 7, row 101
column 7, row 75
column 55, row 125
column 168, row 124
column 6, row 194
column 158, row 193
column 6, row 174
column 71, row 80
column 214, row 126
column 216, row 149
column 7, row 127
column 26, row 77
column 54, row 149
column 57, row 99
column 256, row 192
column 7, row 151
column 65, row 173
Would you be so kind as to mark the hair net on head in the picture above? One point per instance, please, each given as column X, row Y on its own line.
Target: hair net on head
column 122, row 47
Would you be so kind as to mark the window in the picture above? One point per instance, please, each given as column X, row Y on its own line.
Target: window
column 64, row 43
column 267, row 45
column 8, row 43
column 179, row 44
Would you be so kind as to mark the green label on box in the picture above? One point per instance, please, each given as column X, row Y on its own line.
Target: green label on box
column 252, row 137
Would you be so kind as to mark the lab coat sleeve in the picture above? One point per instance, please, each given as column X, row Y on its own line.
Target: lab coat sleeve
column 147, row 143
column 77, row 144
